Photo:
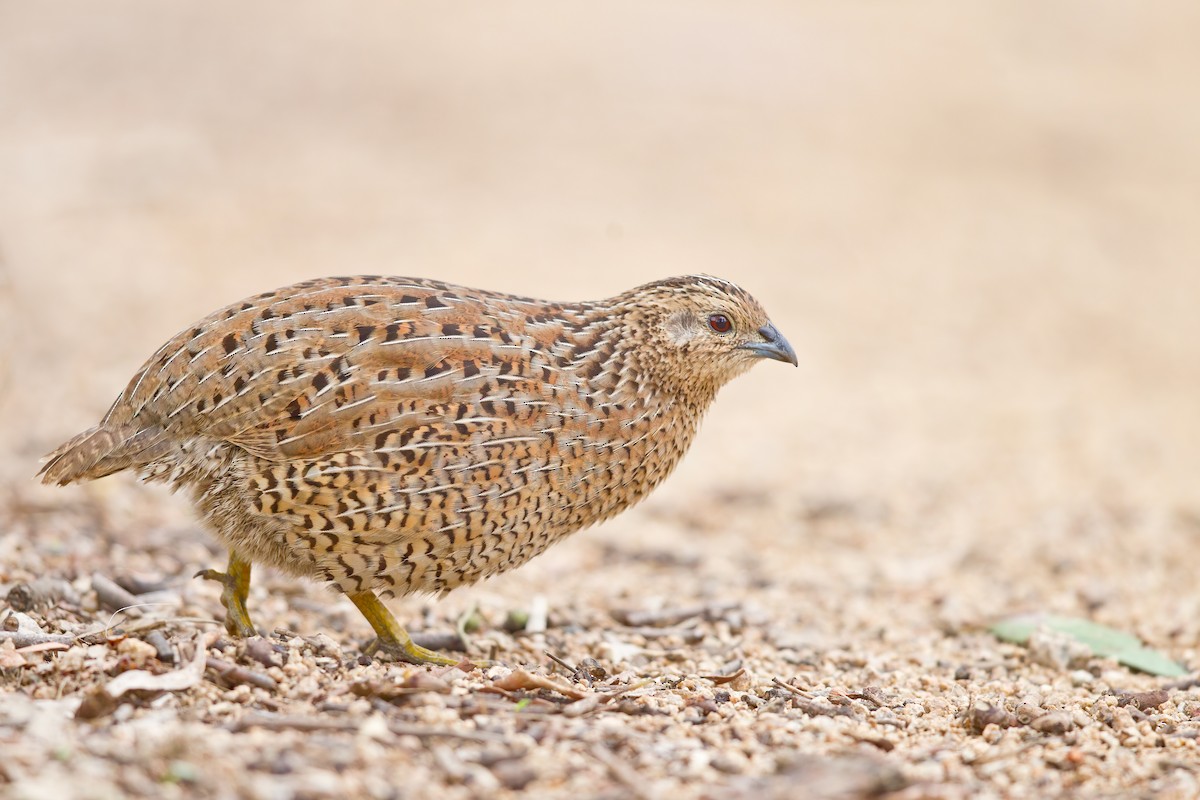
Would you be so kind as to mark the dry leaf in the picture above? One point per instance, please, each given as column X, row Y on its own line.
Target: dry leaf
column 521, row 679
column 141, row 680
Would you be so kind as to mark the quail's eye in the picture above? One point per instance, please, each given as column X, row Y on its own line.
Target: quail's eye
column 720, row 323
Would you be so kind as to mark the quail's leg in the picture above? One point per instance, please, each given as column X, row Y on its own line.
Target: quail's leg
column 392, row 638
column 236, row 580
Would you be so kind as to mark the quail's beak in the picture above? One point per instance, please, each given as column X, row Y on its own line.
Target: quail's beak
column 772, row 346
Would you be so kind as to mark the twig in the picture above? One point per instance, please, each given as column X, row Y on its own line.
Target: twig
column 22, row 639
column 721, row 680
column 423, row 732
column 597, row 699
column 234, row 674
column 435, row 640
column 814, row 709
column 870, row 694
column 40, row 593
column 137, row 585
column 672, row 616
column 274, row 722
column 570, row 669
column 128, row 628
column 42, row 647
column 114, row 597
column 633, row 687
column 794, row 690
column 805, row 702
column 689, row 633
column 99, row 635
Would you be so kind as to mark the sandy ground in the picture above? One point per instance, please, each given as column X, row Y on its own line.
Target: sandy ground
column 977, row 223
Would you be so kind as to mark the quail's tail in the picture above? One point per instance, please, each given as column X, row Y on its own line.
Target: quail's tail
column 97, row 452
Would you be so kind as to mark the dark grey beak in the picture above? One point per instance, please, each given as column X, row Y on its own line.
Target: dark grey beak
column 773, row 346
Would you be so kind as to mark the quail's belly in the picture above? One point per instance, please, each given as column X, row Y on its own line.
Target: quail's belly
column 429, row 515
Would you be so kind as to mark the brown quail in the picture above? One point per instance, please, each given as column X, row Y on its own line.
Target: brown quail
column 397, row 435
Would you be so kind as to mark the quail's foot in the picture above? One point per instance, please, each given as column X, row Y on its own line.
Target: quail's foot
column 236, row 583
column 391, row 638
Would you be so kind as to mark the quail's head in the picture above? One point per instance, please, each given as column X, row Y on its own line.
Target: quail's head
column 705, row 330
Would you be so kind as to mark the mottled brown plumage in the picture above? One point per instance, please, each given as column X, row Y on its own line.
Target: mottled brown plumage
column 398, row 435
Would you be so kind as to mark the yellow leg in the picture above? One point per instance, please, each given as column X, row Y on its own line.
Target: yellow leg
column 392, row 638
column 236, row 580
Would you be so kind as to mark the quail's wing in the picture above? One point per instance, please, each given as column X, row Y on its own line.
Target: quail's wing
column 299, row 365
column 370, row 406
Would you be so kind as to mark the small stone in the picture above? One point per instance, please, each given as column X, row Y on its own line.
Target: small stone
column 375, row 727
column 1081, row 677
column 162, row 648
column 514, row 775
column 590, row 670
column 137, row 651
column 324, row 645
column 182, row 772
column 1055, row 722
column 730, row 762
column 1057, row 650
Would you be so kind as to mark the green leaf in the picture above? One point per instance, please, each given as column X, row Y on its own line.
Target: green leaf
column 1144, row 659
column 1100, row 639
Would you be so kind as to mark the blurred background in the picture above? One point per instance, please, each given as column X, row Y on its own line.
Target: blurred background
column 977, row 223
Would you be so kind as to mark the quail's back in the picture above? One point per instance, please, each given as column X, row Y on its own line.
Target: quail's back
column 404, row 435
